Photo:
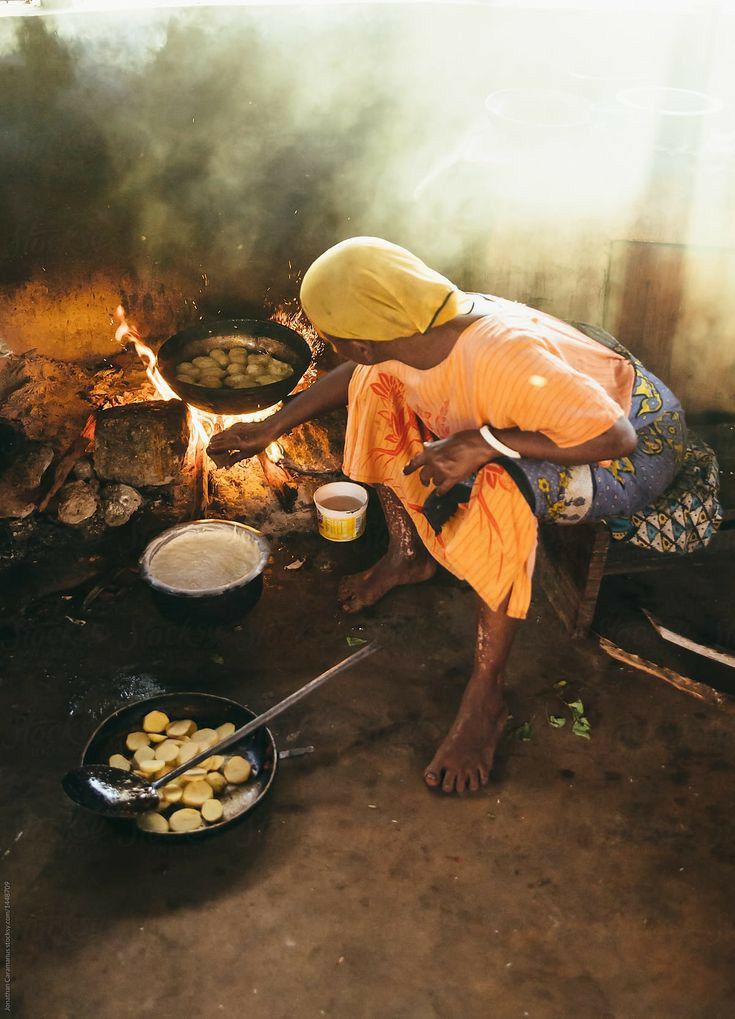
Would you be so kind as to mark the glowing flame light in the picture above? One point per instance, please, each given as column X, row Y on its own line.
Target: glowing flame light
column 204, row 425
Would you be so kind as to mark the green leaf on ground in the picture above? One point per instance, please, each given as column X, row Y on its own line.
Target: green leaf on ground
column 523, row 732
column 355, row 641
column 576, row 708
column 557, row 721
column 560, row 684
column 581, row 727
column 218, row 659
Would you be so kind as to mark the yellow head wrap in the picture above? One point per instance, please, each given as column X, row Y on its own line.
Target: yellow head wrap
column 369, row 289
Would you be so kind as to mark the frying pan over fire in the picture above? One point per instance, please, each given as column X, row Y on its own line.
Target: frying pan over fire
column 252, row 334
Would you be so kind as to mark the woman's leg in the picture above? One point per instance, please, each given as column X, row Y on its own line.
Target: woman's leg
column 405, row 562
column 465, row 757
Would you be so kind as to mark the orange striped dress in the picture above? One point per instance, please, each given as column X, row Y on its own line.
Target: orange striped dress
column 513, row 368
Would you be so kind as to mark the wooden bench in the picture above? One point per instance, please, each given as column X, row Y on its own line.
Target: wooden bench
column 574, row 559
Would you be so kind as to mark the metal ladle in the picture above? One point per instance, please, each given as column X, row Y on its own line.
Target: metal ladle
column 117, row 793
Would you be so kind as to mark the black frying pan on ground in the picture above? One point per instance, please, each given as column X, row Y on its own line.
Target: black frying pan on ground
column 206, row 710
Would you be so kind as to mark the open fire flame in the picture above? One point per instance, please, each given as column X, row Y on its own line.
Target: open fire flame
column 203, row 424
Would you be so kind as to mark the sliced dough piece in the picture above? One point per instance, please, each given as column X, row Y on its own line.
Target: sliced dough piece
column 225, row 730
column 220, row 356
column 155, row 721
column 118, row 761
column 186, row 819
column 217, row 781
column 143, row 754
column 210, row 383
column 136, row 740
column 152, row 821
column 180, row 728
column 156, row 737
column 188, row 751
column 237, row 770
column 212, row 810
column 172, row 793
column 167, row 751
column 243, row 382
column 213, row 763
column 203, row 362
column 238, row 354
column 197, row 793
column 150, row 767
column 235, row 368
column 193, row 775
column 204, row 735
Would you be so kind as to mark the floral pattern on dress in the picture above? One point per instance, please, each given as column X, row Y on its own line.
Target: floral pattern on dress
column 397, row 416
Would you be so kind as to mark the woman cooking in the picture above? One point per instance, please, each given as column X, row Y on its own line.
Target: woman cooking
column 473, row 417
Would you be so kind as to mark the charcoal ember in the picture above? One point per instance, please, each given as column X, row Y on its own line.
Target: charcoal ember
column 77, row 502
column 120, row 502
column 141, row 444
column 83, row 470
column 23, row 464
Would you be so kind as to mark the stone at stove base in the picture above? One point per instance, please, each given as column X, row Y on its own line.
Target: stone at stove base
column 120, row 503
column 27, row 462
column 77, row 503
column 141, row 444
column 82, row 470
column 317, row 445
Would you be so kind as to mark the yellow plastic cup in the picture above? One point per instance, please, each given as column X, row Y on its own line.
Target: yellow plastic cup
column 341, row 525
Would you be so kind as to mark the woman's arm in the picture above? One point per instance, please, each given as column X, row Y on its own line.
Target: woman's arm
column 246, row 439
column 618, row 440
column 449, row 461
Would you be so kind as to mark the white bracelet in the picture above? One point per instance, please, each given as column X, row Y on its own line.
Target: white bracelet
column 494, row 441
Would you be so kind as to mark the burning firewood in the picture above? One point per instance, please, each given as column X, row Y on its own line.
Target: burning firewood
column 65, row 463
column 280, row 481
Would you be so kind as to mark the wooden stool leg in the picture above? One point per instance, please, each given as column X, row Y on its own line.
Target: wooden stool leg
column 572, row 564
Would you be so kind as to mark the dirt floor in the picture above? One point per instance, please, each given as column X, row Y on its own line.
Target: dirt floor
column 592, row 877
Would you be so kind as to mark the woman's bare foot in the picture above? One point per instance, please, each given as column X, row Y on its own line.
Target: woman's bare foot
column 465, row 758
column 363, row 589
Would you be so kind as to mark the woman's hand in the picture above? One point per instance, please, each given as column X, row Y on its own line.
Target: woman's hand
column 448, row 461
column 243, row 440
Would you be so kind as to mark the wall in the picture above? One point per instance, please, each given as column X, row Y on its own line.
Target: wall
column 197, row 161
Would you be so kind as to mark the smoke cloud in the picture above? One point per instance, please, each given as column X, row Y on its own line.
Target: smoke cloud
column 233, row 145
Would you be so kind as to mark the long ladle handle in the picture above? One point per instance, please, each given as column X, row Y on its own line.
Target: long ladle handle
column 268, row 715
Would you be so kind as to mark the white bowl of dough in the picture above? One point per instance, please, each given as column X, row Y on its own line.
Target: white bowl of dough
column 213, row 568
